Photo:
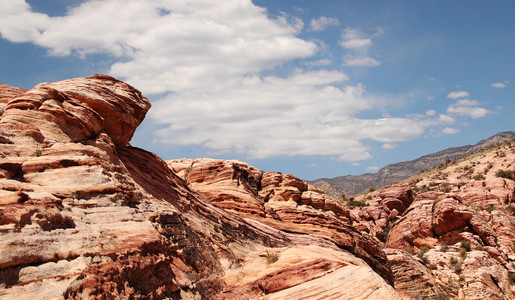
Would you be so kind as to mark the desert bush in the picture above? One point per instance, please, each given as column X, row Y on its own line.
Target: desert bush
column 444, row 247
column 458, row 268
column 479, row 177
column 511, row 209
column 441, row 296
column 453, row 260
column 422, row 254
column 511, row 277
column 465, row 245
column 490, row 208
column 508, row 174
column 386, row 230
column 500, row 153
column 356, row 203
column 463, row 253
column 445, row 187
column 271, row 257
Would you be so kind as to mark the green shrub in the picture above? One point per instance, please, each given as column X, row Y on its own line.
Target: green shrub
column 463, row 253
column 355, row 203
column 465, row 245
column 443, row 247
column 511, row 277
column 511, row 209
column 386, row 230
column 458, row 268
column 490, row 208
column 508, row 174
column 441, row 296
column 271, row 257
column 479, row 177
column 422, row 254
column 445, row 187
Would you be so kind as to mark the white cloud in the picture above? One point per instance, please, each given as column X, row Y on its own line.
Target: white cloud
column 467, row 102
column 323, row 22
column 498, row 85
column 204, row 59
column 353, row 38
column 389, row 146
column 374, row 168
column 431, row 112
column 469, row 108
column 361, row 62
column 449, row 130
column 458, row 94
column 445, row 119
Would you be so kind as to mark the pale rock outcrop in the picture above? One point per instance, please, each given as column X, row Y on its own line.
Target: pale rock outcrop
column 380, row 213
column 281, row 201
column 83, row 215
column 411, row 275
column 396, row 196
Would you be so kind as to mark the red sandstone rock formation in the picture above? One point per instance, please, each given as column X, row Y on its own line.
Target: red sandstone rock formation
column 280, row 201
column 464, row 237
column 85, row 215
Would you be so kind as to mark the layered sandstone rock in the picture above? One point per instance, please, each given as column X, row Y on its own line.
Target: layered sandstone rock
column 463, row 236
column 280, row 201
column 85, row 215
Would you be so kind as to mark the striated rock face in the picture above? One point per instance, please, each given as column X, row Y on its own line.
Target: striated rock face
column 280, row 201
column 461, row 237
column 85, row 215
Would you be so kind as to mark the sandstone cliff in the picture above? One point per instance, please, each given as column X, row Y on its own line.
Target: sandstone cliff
column 85, row 215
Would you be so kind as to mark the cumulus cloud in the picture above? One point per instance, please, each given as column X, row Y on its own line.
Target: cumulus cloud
column 353, row 38
column 360, row 62
column 458, row 94
column 323, row 22
column 469, row 108
column 201, row 63
column 499, row 85
column 373, row 168
column 449, row 130
column 389, row 146
column 431, row 112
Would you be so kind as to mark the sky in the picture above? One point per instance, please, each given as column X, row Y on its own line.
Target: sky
column 312, row 88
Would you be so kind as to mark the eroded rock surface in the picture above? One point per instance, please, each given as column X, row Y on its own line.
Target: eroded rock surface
column 280, row 201
column 85, row 215
column 459, row 230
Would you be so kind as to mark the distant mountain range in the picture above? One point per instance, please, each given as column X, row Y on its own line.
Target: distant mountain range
column 354, row 184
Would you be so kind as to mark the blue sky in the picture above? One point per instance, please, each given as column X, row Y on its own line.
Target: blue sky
column 312, row 88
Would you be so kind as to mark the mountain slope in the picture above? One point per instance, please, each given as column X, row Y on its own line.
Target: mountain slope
column 450, row 232
column 353, row 184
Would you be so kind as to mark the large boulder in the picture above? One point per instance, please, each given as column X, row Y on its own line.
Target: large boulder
column 77, row 109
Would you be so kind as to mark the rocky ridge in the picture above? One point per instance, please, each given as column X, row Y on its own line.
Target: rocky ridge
column 85, row 215
column 354, row 184
column 456, row 240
